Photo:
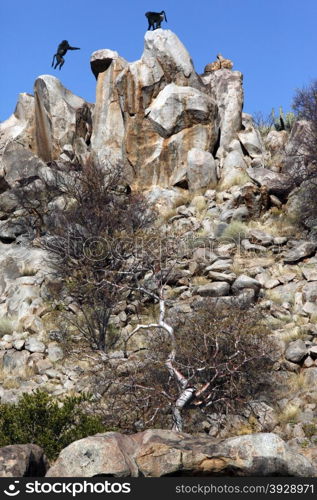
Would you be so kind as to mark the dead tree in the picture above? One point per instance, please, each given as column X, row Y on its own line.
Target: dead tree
column 211, row 368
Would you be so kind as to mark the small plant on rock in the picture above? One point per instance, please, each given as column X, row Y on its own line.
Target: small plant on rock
column 310, row 430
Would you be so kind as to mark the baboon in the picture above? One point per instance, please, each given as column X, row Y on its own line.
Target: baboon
column 61, row 51
column 155, row 19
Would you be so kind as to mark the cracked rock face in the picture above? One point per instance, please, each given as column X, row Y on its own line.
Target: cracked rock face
column 278, row 184
column 149, row 116
column 22, row 460
column 55, row 116
column 157, row 453
column 156, row 110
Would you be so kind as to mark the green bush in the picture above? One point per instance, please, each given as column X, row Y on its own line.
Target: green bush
column 41, row 419
column 283, row 121
column 310, row 430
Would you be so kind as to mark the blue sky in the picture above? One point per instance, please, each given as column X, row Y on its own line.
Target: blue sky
column 272, row 42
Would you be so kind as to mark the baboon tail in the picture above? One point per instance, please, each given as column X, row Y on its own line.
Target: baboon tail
column 164, row 15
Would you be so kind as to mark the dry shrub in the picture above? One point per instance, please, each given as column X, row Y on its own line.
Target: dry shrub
column 223, row 352
column 93, row 244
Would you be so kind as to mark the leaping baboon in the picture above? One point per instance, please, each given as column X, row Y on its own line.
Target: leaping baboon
column 155, row 19
column 61, row 51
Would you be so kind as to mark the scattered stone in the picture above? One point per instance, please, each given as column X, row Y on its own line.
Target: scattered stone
column 42, row 310
column 243, row 281
column 198, row 202
column 309, row 274
column 240, row 214
column 226, row 249
column 68, row 385
column 250, row 247
column 313, row 352
column 267, row 281
column 308, row 362
column 7, row 338
column 52, row 373
column 216, row 276
column 204, row 254
column 226, row 215
column 296, row 351
column 265, row 414
column 42, row 365
column 287, row 277
column 32, row 344
column 15, row 362
column 5, row 345
column 310, row 308
column 220, row 265
column 310, row 292
column 276, row 140
column 277, row 184
column 311, row 377
column 32, row 324
column 250, row 138
column 275, row 201
column 302, row 251
column 256, row 236
column 181, row 309
column 289, row 366
column 280, row 240
column 123, row 317
column 210, row 194
column 298, row 302
column 18, row 344
column 216, row 289
column 201, row 169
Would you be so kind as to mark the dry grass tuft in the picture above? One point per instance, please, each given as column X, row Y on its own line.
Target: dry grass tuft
column 289, row 414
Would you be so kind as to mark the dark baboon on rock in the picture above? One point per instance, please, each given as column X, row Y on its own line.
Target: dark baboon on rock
column 61, row 51
column 155, row 19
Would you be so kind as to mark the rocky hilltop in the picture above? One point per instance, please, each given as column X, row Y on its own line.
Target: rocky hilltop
column 182, row 140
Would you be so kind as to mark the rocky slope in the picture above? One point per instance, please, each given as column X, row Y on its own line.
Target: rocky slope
column 222, row 188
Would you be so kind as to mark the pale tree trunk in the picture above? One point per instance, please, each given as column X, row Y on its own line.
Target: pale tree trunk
column 186, row 393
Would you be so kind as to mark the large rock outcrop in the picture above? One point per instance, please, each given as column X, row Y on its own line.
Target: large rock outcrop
column 155, row 111
column 155, row 117
column 108, row 126
column 163, row 111
column 156, row 453
column 20, row 125
column 55, row 116
column 44, row 123
column 226, row 86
